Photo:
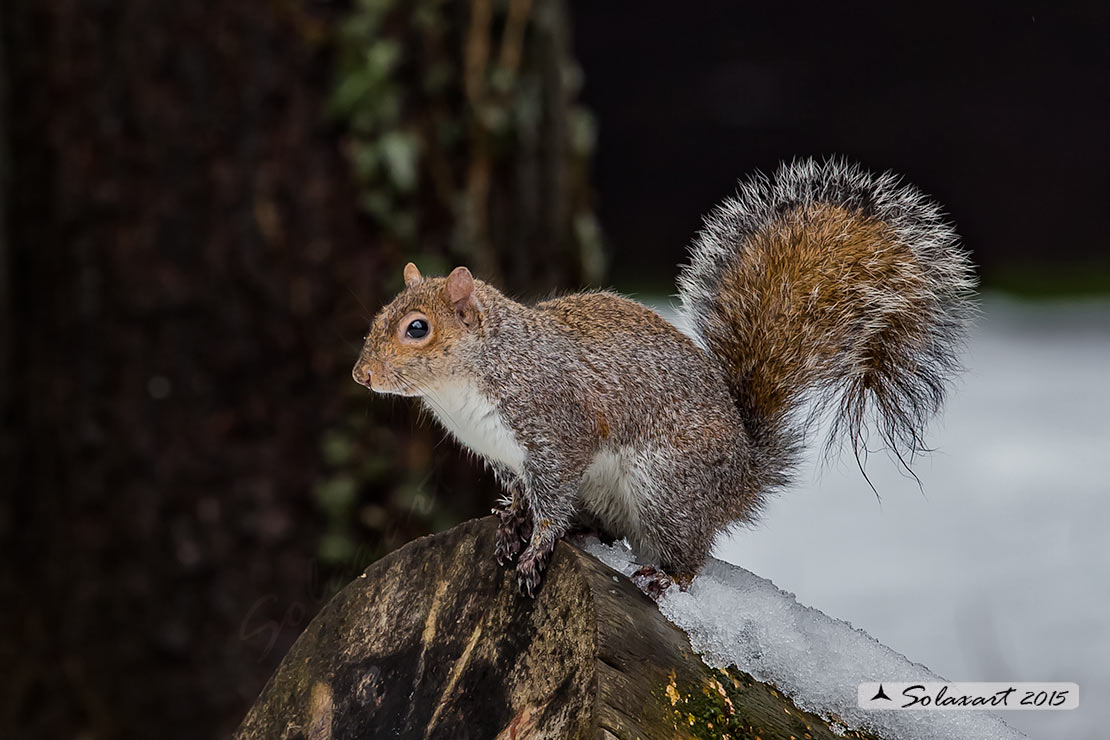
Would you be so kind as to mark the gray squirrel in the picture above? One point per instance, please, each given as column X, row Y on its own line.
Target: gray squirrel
column 822, row 286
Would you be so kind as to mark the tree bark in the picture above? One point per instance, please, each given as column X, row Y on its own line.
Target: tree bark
column 434, row 641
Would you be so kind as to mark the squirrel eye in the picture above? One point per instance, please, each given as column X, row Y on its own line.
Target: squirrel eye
column 417, row 329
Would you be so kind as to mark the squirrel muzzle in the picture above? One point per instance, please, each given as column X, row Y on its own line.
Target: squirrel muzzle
column 363, row 375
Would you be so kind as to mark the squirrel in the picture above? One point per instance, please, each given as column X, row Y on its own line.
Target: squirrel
column 822, row 286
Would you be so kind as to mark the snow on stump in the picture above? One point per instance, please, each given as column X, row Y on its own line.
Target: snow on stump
column 434, row 641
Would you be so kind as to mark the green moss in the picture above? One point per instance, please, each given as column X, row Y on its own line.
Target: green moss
column 706, row 711
column 715, row 710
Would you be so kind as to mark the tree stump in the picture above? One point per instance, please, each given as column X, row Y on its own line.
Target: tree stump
column 434, row 641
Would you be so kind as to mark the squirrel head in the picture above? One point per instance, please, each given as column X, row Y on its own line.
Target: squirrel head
column 421, row 337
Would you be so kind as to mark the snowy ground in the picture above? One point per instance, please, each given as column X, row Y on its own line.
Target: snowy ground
column 1001, row 570
column 734, row 617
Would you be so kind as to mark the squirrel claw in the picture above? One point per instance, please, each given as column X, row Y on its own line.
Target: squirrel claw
column 529, row 571
column 652, row 581
column 510, row 538
column 527, row 580
column 508, row 547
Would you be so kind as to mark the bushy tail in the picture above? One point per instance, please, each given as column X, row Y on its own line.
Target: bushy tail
column 828, row 283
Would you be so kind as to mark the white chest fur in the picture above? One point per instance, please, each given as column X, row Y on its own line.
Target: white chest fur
column 476, row 423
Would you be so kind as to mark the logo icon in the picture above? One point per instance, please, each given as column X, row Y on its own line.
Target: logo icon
column 880, row 694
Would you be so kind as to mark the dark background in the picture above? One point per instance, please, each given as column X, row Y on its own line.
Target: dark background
column 999, row 110
column 198, row 225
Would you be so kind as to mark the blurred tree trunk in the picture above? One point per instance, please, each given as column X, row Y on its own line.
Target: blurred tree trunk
column 192, row 251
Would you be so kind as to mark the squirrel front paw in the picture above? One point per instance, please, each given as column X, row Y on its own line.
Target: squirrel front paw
column 529, row 571
column 509, row 544
column 511, row 534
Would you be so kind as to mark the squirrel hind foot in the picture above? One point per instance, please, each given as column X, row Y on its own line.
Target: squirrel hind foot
column 654, row 582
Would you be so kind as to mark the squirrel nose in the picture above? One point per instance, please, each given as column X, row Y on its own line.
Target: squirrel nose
column 362, row 375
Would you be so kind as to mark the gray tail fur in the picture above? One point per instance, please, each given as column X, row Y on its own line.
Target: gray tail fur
column 827, row 284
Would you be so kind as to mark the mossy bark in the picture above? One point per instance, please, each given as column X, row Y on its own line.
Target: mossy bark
column 435, row 642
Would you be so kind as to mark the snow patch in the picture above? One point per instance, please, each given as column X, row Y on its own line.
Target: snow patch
column 734, row 617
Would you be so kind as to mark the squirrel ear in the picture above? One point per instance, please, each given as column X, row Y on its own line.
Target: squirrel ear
column 460, row 288
column 412, row 275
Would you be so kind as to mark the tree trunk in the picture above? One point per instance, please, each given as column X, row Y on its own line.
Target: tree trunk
column 434, row 641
